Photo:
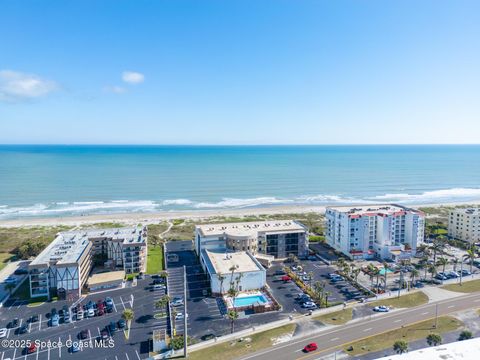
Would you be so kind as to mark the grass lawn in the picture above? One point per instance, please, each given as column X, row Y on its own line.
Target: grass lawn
column 336, row 318
column 404, row 301
column 4, row 258
column 408, row 333
column 466, row 287
column 154, row 259
column 234, row 350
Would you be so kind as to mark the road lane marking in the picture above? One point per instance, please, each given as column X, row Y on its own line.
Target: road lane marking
column 425, row 313
column 396, row 321
column 367, row 329
column 451, row 306
column 334, row 339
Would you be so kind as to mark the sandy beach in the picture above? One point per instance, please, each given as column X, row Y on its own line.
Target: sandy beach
column 155, row 217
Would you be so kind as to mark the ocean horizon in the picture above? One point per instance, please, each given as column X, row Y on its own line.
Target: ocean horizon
column 73, row 180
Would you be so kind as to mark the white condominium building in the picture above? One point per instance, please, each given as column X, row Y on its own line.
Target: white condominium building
column 375, row 231
column 464, row 224
column 64, row 265
column 277, row 238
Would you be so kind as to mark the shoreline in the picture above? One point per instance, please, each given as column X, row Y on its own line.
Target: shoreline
column 155, row 217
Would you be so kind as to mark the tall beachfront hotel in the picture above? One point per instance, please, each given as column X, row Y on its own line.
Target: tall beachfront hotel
column 389, row 232
column 464, row 224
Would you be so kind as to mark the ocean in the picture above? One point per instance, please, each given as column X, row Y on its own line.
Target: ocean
column 52, row 181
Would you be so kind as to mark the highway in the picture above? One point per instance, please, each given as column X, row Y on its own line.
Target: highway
column 334, row 338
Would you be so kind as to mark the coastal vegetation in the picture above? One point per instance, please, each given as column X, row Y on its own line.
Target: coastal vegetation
column 408, row 334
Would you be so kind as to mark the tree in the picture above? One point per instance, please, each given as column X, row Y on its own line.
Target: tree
column 423, row 249
column 465, row 335
column 385, row 268
column 434, row 339
column 310, row 278
column 177, row 342
column 413, row 275
column 400, row 346
column 162, row 302
column 432, row 269
column 355, row 273
column 128, row 315
column 437, row 246
column 454, row 262
column 221, row 278
column 442, row 262
column 232, row 315
column 326, row 294
column 470, row 256
column 318, row 290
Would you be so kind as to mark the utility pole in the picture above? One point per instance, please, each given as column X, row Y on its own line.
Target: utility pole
column 436, row 315
column 461, row 271
column 400, row 285
column 185, row 337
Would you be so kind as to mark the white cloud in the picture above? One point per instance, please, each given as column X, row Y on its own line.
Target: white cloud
column 17, row 86
column 115, row 89
column 133, row 77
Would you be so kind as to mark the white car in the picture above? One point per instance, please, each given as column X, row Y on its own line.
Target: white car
column 79, row 315
column 381, row 308
column 309, row 305
column 177, row 301
column 179, row 316
column 3, row 333
column 90, row 313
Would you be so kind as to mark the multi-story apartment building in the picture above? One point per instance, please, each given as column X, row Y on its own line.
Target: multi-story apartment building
column 65, row 264
column 375, row 231
column 464, row 224
column 278, row 238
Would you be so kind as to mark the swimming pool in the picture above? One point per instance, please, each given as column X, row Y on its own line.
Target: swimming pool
column 382, row 271
column 250, row 300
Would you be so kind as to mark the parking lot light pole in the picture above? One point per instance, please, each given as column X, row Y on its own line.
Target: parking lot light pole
column 185, row 337
column 461, row 271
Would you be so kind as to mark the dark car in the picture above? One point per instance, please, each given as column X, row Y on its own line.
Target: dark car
column 208, row 337
column 21, row 271
column 112, row 327
column 158, row 281
column 12, row 324
column 53, row 312
column 109, row 309
column 22, row 330
column 83, row 334
column 122, row 324
column 33, row 319
column 104, row 334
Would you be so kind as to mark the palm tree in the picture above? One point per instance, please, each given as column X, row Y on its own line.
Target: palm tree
column 385, row 268
column 232, row 315
column 162, row 302
column 326, row 294
column 423, row 249
column 318, row 290
column 310, row 278
column 442, row 262
column 221, row 278
column 454, row 262
column 413, row 275
column 437, row 246
column 128, row 315
column 355, row 274
column 432, row 269
column 470, row 256
column 400, row 346
column 434, row 339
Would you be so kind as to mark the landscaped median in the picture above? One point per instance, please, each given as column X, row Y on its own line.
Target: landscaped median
column 405, row 301
column 154, row 259
column 336, row 318
column 466, row 287
column 248, row 344
column 409, row 333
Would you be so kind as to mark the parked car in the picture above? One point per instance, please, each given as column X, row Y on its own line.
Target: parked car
column 22, row 330
column 31, row 349
column 158, row 281
column 309, row 305
column 74, row 348
column 33, row 319
column 112, row 327
column 13, row 324
column 337, row 279
column 159, row 287
column 122, row 324
column 109, row 309
column 79, row 315
column 441, row 276
column 104, row 334
column 177, row 301
column 82, row 335
column 333, row 275
column 306, row 278
column 180, row 316
column 90, row 313
column 286, row 278
column 465, row 272
column 381, row 308
column 453, row 274
column 55, row 320
column 312, row 258
column 310, row 347
column 100, row 312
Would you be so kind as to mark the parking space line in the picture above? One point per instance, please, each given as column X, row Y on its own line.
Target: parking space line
column 59, row 348
column 40, row 322
column 114, row 307
column 127, row 356
column 122, row 303
column 48, row 353
column 3, row 354
column 14, row 353
column 38, row 353
column 138, row 356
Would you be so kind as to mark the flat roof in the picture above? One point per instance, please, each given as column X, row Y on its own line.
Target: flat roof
column 105, row 277
column 384, row 209
column 466, row 350
column 469, row 211
column 250, row 228
column 222, row 262
column 68, row 246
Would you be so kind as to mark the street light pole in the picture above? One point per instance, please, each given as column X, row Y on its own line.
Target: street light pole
column 461, row 271
column 436, row 315
column 185, row 314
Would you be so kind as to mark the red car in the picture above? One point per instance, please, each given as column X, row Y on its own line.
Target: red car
column 286, row 278
column 31, row 349
column 310, row 347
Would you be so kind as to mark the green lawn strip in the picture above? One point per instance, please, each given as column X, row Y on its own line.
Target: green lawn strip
column 404, row 301
column 408, row 333
column 154, row 259
column 336, row 318
column 235, row 349
column 466, row 287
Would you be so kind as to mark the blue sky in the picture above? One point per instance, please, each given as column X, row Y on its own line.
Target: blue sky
column 239, row 72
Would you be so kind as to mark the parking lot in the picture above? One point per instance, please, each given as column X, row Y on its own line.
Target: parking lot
column 138, row 298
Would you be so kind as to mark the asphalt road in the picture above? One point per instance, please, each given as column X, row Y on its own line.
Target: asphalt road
column 332, row 339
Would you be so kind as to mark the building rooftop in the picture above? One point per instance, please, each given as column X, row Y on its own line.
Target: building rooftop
column 466, row 350
column 68, row 246
column 250, row 228
column 222, row 262
column 470, row 211
column 384, row 209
